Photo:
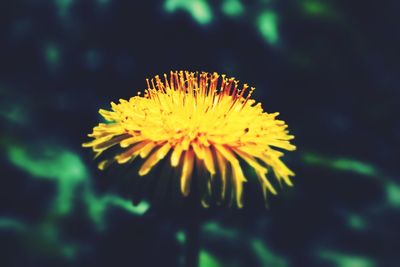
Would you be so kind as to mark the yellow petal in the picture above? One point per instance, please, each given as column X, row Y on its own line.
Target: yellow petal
column 280, row 169
column 238, row 179
column 226, row 153
column 97, row 141
column 103, row 130
column 260, row 170
column 132, row 140
column 209, row 160
column 282, row 144
column 185, row 143
column 250, row 160
column 198, row 150
column 157, row 155
column 203, row 140
column 222, row 168
column 265, row 182
column 147, row 149
column 205, row 204
column 237, row 173
column 107, row 144
column 104, row 164
column 108, row 115
column 187, row 170
column 131, row 152
column 176, row 155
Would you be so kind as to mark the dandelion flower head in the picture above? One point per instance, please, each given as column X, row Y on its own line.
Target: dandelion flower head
column 197, row 121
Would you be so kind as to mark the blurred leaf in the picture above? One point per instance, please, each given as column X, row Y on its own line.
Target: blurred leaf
column 268, row 26
column 342, row 164
column 207, row 260
column 266, row 257
column 345, row 260
column 232, row 8
column 200, row 10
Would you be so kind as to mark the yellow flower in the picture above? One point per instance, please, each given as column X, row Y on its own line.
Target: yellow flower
column 197, row 120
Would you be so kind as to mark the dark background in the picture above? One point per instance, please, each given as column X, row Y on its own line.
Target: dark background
column 329, row 67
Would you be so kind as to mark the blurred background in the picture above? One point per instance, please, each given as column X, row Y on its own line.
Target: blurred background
column 330, row 67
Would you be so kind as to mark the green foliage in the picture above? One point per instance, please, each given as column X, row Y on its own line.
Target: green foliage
column 266, row 257
column 393, row 194
column 64, row 6
column 232, row 8
column 64, row 167
column 69, row 173
column 214, row 228
column 52, row 54
column 71, row 179
column 208, row 260
column 98, row 207
column 13, row 113
column 181, row 237
column 200, row 10
column 356, row 222
column 12, row 224
column 341, row 164
column 320, row 8
column 50, row 163
column 345, row 260
column 268, row 26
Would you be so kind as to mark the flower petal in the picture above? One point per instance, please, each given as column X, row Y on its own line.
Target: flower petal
column 187, row 170
column 209, row 160
column 222, row 169
column 147, row 149
column 131, row 152
column 157, row 155
column 176, row 155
